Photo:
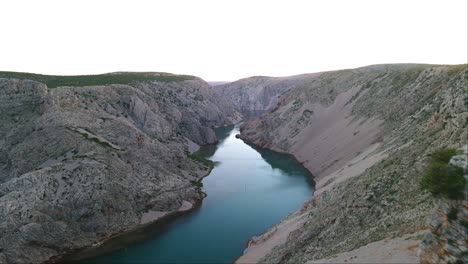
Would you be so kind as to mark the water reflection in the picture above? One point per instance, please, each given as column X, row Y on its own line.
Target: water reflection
column 289, row 166
column 248, row 191
column 221, row 134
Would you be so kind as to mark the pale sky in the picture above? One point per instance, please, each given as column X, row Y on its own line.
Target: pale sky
column 227, row 40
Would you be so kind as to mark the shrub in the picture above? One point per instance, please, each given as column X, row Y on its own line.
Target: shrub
column 464, row 223
column 198, row 157
column 197, row 184
column 443, row 155
column 442, row 179
column 452, row 214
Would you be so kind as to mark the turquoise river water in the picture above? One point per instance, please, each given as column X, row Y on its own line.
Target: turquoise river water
column 249, row 190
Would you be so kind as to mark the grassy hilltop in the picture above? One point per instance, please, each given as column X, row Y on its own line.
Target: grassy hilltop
column 54, row 81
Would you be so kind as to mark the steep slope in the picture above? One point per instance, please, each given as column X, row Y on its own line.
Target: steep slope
column 80, row 164
column 447, row 240
column 365, row 134
column 253, row 96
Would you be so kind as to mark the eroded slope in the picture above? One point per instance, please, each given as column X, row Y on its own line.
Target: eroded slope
column 79, row 164
column 254, row 95
column 365, row 134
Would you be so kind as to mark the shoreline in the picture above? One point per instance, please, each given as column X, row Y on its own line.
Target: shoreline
column 312, row 176
column 271, row 231
column 124, row 238
column 130, row 236
column 262, row 245
column 138, row 233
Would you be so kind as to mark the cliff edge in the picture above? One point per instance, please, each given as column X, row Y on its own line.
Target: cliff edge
column 79, row 164
column 366, row 135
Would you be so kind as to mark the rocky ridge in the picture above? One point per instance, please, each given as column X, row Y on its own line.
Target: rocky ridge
column 365, row 134
column 81, row 164
column 254, row 95
column 446, row 241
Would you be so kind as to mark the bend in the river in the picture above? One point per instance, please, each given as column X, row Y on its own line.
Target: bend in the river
column 249, row 190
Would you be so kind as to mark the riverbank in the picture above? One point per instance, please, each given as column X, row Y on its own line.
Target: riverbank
column 263, row 245
column 126, row 237
column 151, row 222
column 248, row 191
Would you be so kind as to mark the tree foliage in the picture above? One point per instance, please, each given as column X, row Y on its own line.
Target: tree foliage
column 443, row 155
column 442, row 179
column 53, row 81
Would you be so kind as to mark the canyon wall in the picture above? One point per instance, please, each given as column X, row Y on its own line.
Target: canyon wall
column 254, row 95
column 81, row 164
column 365, row 134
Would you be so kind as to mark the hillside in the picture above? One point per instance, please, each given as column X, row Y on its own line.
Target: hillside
column 81, row 164
column 253, row 95
column 86, row 158
column 365, row 134
column 54, row 81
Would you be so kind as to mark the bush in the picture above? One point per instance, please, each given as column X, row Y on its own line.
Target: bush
column 197, row 184
column 198, row 157
column 452, row 214
column 464, row 223
column 442, row 179
column 443, row 155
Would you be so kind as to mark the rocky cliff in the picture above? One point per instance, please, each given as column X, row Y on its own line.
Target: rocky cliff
column 254, row 95
column 365, row 134
column 80, row 164
column 83, row 158
column 447, row 241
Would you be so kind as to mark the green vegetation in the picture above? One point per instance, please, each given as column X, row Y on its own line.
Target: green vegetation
column 53, row 81
column 452, row 214
column 464, row 223
column 198, row 157
column 442, row 179
column 443, row 155
column 197, row 184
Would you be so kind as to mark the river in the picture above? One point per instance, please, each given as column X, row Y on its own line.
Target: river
column 249, row 190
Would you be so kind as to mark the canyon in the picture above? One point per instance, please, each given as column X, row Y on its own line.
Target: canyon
column 366, row 135
column 81, row 164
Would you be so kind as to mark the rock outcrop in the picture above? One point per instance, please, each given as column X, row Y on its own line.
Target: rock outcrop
column 447, row 239
column 253, row 96
column 80, row 164
column 365, row 134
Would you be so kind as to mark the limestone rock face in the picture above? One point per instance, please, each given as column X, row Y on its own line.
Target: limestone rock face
column 446, row 241
column 253, row 96
column 366, row 135
column 79, row 164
